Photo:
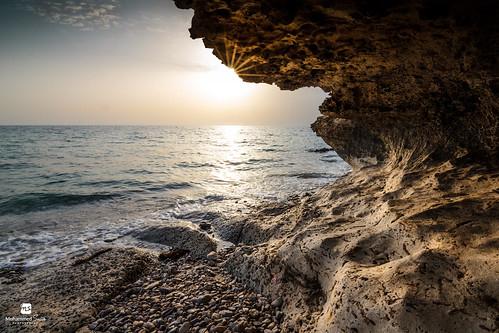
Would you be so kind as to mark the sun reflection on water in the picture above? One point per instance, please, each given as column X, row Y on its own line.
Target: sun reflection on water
column 232, row 153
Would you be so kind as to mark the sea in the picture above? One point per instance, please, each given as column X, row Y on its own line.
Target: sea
column 64, row 189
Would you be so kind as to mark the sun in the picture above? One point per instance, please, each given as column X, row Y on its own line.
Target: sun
column 221, row 84
column 224, row 85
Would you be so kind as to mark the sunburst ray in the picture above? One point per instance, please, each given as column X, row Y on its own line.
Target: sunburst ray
column 239, row 58
column 244, row 69
column 232, row 58
column 234, row 51
column 226, row 52
column 241, row 65
column 250, row 74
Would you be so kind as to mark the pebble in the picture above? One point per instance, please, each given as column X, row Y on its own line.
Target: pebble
column 149, row 325
column 277, row 303
column 193, row 296
column 137, row 323
column 152, row 285
column 184, row 328
column 202, row 299
column 226, row 313
column 205, row 226
column 218, row 329
column 212, row 255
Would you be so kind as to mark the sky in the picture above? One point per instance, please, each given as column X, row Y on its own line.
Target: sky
column 126, row 62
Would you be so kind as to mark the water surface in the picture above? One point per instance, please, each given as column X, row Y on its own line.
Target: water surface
column 63, row 189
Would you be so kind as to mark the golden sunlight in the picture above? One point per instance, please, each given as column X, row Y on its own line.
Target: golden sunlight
column 222, row 85
column 231, row 153
column 230, row 133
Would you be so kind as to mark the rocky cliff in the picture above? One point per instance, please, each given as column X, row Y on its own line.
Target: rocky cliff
column 409, row 241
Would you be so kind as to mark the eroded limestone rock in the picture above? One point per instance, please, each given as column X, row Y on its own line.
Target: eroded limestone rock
column 180, row 236
column 372, row 253
column 409, row 241
column 414, row 75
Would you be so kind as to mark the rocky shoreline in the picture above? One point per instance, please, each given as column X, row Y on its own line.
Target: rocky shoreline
column 189, row 296
column 408, row 242
column 126, row 290
column 356, row 255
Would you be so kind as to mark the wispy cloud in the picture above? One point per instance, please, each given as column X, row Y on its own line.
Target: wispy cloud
column 84, row 15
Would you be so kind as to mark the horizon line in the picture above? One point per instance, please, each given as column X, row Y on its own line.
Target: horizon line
column 151, row 125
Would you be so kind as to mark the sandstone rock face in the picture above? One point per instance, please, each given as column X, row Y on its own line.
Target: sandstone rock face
column 413, row 252
column 409, row 242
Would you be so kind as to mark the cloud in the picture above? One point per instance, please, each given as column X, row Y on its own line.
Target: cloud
column 151, row 15
column 83, row 15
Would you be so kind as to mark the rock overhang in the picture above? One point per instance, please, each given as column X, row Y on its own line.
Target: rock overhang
column 402, row 76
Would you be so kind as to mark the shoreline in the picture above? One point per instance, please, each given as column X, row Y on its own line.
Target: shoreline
column 112, row 287
column 357, row 250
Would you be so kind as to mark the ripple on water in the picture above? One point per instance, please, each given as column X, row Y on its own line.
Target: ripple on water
column 66, row 188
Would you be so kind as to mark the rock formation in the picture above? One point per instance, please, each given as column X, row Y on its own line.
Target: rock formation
column 409, row 241
column 408, row 75
column 180, row 236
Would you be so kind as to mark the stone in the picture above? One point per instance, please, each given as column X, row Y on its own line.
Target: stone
column 181, row 237
column 205, row 226
column 173, row 254
column 225, row 313
column 203, row 299
column 148, row 325
column 212, row 255
column 254, row 313
column 152, row 285
column 277, row 303
column 218, row 329
column 185, row 328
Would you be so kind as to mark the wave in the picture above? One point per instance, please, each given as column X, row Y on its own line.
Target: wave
column 194, row 165
column 253, row 161
column 143, row 172
column 330, row 159
column 14, row 166
column 54, row 182
column 319, row 150
column 214, row 197
column 271, row 150
column 59, row 175
column 198, row 216
column 311, row 175
column 32, row 202
column 139, row 185
column 306, row 175
column 169, row 186
column 102, row 183
column 205, row 200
